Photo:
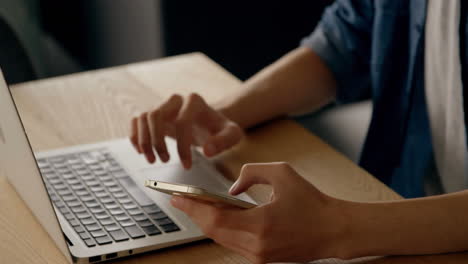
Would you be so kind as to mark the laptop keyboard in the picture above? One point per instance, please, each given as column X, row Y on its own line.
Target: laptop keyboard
column 100, row 200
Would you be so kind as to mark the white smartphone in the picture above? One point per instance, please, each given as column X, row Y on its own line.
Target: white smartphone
column 197, row 193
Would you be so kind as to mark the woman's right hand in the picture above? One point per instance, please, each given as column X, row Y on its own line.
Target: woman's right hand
column 190, row 121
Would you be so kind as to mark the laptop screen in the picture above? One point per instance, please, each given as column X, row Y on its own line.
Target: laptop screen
column 18, row 163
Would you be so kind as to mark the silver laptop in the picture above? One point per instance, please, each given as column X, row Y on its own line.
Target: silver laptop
column 91, row 199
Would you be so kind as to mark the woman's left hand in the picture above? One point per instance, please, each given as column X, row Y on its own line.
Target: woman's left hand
column 300, row 223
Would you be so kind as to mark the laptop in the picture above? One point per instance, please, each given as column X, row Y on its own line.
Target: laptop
column 91, row 198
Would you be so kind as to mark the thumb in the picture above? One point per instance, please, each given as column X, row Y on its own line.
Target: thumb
column 227, row 137
column 260, row 173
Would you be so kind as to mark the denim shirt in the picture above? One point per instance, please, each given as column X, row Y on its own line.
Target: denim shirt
column 375, row 48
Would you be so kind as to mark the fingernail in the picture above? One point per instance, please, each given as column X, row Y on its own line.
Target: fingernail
column 233, row 187
column 210, row 149
column 186, row 164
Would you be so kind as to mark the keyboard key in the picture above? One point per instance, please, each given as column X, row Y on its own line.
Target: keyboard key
column 119, row 235
column 129, row 206
column 121, row 217
column 116, row 211
column 101, row 215
column 98, row 233
column 78, row 167
column 101, row 194
column 158, row 215
column 68, row 197
column 112, row 205
column 74, row 203
column 170, row 228
column 64, row 210
column 49, row 175
column 93, row 227
column 103, row 240
column 78, row 187
column 134, row 231
column 84, row 235
column 111, row 227
column 124, row 200
column 83, row 215
column 151, row 230
column 78, row 229
column 42, row 163
column 86, row 175
column 164, row 221
column 59, row 203
column 91, row 202
column 89, row 159
column 139, row 217
column 74, row 222
column 115, row 189
column 135, row 192
column 56, row 182
column 106, row 199
column 96, row 209
column 89, row 242
column 145, row 223
column 64, row 192
column 68, row 216
column 97, row 189
column 64, row 170
column 92, row 183
column 82, row 192
column 111, row 184
column 100, row 172
column 120, row 195
column 106, row 221
column 78, row 209
column 87, row 221
column 151, row 209
column 67, row 175
column 127, row 222
column 73, row 181
column 106, row 178
column 135, row 211
column 54, row 197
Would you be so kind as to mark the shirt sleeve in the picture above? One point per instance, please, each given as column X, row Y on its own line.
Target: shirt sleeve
column 342, row 39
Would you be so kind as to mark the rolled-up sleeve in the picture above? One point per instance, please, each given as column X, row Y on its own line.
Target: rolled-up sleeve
column 342, row 39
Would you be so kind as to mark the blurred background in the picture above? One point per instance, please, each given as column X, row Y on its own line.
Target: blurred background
column 45, row 38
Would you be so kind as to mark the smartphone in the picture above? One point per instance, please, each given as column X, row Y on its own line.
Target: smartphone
column 197, row 193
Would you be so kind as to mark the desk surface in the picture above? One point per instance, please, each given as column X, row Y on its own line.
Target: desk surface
column 97, row 105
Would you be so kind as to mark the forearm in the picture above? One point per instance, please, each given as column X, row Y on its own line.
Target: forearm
column 297, row 82
column 428, row 225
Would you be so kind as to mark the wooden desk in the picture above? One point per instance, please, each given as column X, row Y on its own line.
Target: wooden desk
column 95, row 106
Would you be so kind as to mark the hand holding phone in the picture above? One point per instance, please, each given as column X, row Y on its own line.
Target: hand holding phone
column 197, row 193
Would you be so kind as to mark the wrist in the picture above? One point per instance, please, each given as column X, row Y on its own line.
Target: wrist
column 230, row 109
column 347, row 243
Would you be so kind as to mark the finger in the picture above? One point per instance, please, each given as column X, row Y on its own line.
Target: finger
column 184, row 141
column 184, row 129
column 168, row 112
column 144, row 140
column 230, row 135
column 261, row 173
column 134, row 134
column 208, row 216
